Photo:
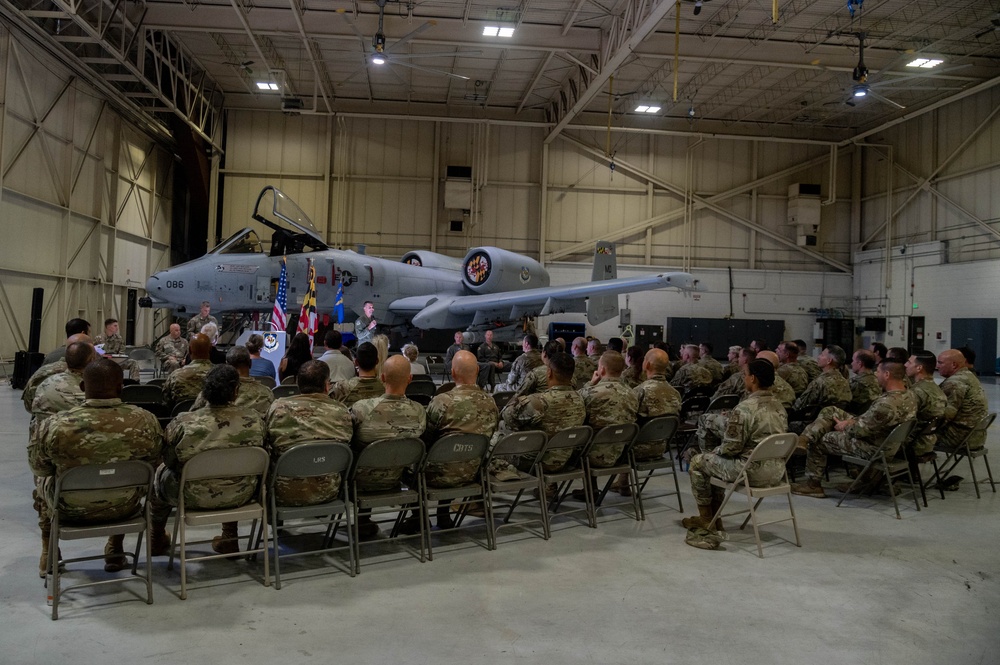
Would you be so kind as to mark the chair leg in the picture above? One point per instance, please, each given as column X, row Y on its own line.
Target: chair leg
column 544, row 506
column 183, row 556
column 52, row 581
column 853, row 483
column 275, row 548
column 915, row 475
column 677, row 486
column 913, row 489
column 892, row 490
column 753, row 517
column 795, row 522
column 173, row 544
column 633, row 481
column 975, row 480
column 989, row 472
column 588, row 494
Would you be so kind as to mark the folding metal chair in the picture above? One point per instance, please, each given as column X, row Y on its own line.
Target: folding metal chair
column 181, row 407
column 656, row 429
column 146, row 396
column 285, row 390
column 884, row 460
column 159, row 381
column 954, row 456
column 309, row 460
column 529, row 445
column 266, row 381
column 614, row 435
column 289, row 380
column 774, row 447
column 224, row 463
column 388, row 454
column 501, row 398
column 131, row 474
column 425, row 388
column 576, row 442
column 457, row 448
column 142, row 355
column 445, row 387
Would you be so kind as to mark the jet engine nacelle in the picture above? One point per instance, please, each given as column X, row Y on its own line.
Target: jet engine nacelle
column 432, row 260
column 492, row 270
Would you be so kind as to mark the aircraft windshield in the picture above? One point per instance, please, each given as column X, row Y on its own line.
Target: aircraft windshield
column 244, row 241
column 294, row 231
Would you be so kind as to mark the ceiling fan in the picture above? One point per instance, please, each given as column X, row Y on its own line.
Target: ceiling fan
column 862, row 87
column 380, row 53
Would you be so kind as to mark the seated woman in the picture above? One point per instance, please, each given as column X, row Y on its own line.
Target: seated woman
column 298, row 353
column 412, row 352
column 259, row 366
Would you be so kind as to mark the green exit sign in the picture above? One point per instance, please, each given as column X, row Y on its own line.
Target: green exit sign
column 916, row 306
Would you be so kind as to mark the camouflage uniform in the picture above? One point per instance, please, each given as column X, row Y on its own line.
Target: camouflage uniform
column 828, row 389
column 608, row 402
column 186, row 383
column 193, row 432
column 536, row 381
column 361, row 330
column 931, row 405
column 97, row 432
column 384, row 417
column 691, row 375
column 171, row 353
column 114, row 344
column 467, row 409
column 730, row 368
column 810, row 365
column 44, row 372
column 794, row 375
column 734, row 385
column 197, row 322
column 864, row 437
column 755, row 418
column 656, row 397
column 57, row 393
column 253, row 395
column 297, row 419
column 583, row 371
column 966, row 407
column 631, row 377
column 783, row 392
column 521, row 368
column 713, row 366
column 551, row 411
column 864, row 390
column 352, row 390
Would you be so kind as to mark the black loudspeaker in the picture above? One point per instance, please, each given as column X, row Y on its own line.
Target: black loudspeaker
column 25, row 364
column 35, row 331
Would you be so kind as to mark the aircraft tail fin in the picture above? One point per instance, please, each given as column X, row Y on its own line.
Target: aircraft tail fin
column 602, row 308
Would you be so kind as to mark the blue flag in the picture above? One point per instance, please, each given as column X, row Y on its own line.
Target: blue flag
column 338, row 304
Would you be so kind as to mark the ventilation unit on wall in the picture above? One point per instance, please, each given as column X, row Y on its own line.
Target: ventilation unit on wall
column 458, row 188
column 803, row 212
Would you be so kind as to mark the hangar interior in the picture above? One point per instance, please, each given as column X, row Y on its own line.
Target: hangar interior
column 137, row 134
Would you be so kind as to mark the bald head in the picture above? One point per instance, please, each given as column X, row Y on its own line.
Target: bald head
column 769, row 356
column 655, row 362
column 949, row 362
column 464, row 368
column 396, row 375
column 200, row 347
column 79, row 355
column 79, row 337
column 102, row 379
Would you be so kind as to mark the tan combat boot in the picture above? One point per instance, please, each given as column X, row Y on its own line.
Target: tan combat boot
column 228, row 542
column 114, row 554
column 812, row 487
column 701, row 521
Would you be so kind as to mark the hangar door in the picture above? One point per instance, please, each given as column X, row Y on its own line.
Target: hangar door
column 980, row 335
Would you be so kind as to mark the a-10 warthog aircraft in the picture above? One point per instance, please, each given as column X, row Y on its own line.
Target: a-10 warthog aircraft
column 491, row 288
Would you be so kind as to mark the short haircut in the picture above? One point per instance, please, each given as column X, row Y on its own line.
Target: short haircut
column 255, row 344
column 735, row 349
column 238, row 356
column 220, row 385
column 78, row 355
column 532, row 340
column 879, row 349
column 613, row 362
column 968, row 354
column 77, row 327
column 312, row 377
column 708, row 347
column 562, row 366
column 748, row 353
column 801, row 343
column 102, row 376
column 894, row 369
column 579, row 344
column 837, row 354
column 411, row 352
column 367, row 356
column 333, row 339
column 866, row 357
column 898, row 353
column 108, row 322
column 205, row 303
column 792, row 348
column 760, row 344
column 926, row 360
column 763, row 371
column 616, row 344
column 367, row 302
column 551, row 348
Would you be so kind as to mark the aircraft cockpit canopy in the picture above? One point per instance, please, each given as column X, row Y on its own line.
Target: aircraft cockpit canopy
column 294, row 232
column 244, row 241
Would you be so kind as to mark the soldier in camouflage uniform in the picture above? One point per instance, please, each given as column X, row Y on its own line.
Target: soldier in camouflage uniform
column 966, row 402
column 253, row 394
column 220, row 425
column 690, row 374
column 536, row 380
column 584, row 367
column 112, row 343
column 608, row 402
column 366, row 384
column 864, row 386
column 758, row 416
column 523, row 364
column 790, row 370
column 203, row 318
column 711, row 364
column 187, row 382
column 931, row 400
column 594, row 351
column 811, row 367
column 312, row 415
column 633, row 374
column 830, row 388
column 656, row 398
column 735, row 385
column 171, row 350
column 73, row 327
column 51, row 369
column 781, row 390
column 733, row 365
column 61, row 391
column 387, row 417
column 101, row 430
column 838, row 432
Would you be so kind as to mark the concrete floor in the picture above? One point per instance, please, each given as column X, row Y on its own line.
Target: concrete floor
column 864, row 588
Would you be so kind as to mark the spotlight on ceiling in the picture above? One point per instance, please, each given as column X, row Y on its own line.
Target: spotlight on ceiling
column 378, row 60
column 860, row 91
column 697, row 7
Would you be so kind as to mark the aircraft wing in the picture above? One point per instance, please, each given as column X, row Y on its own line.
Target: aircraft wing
column 449, row 311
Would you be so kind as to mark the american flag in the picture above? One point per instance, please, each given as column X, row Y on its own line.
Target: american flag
column 278, row 319
column 308, row 322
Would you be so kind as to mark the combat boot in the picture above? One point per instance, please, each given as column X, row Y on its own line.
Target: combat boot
column 114, row 554
column 702, row 520
column 159, row 541
column 812, row 487
column 444, row 520
column 228, row 542
column 716, row 504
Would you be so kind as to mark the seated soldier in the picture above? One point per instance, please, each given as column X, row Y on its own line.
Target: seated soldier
column 690, row 374
column 99, row 431
column 112, row 343
column 388, row 416
column 966, row 402
column 864, row 386
column 253, row 394
column 187, row 382
column 735, row 385
column 312, row 415
column 781, row 390
column 366, row 384
column 449, row 354
column 220, row 425
column 808, row 363
column 837, row 431
column 523, row 364
column 732, row 365
column 931, row 401
column 61, row 391
column 632, row 375
column 594, row 351
column 171, row 350
column 536, row 380
column 708, row 362
column 790, row 369
column 73, row 327
column 755, row 418
column 830, row 388
column 584, row 366
column 51, row 369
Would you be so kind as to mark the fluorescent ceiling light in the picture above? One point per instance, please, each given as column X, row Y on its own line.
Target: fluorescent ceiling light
column 265, row 85
column 647, row 108
column 506, row 32
column 924, row 63
column 497, row 31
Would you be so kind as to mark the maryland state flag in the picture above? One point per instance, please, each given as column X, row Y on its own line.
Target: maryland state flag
column 308, row 322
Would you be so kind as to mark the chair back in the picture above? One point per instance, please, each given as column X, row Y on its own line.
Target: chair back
column 520, row 443
column 985, row 423
column 459, row 447
column 158, row 381
column 391, row 453
column 114, row 475
column 265, row 380
column 572, row 437
column 693, row 405
column 615, row 434
column 284, row 390
column 142, row 353
column 142, row 394
column 422, row 400
column 776, row 446
column 723, row 402
column 289, row 380
column 661, row 428
column 181, row 407
column 501, row 398
column 226, row 463
column 897, row 437
column 421, row 388
column 445, row 387
column 314, row 458
column 422, row 378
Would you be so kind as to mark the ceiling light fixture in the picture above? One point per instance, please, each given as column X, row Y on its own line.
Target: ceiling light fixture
column 267, row 85
column 378, row 60
column 697, row 7
column 924, row 63
column 498, row 31
column 860, row 91
column 647, row 108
